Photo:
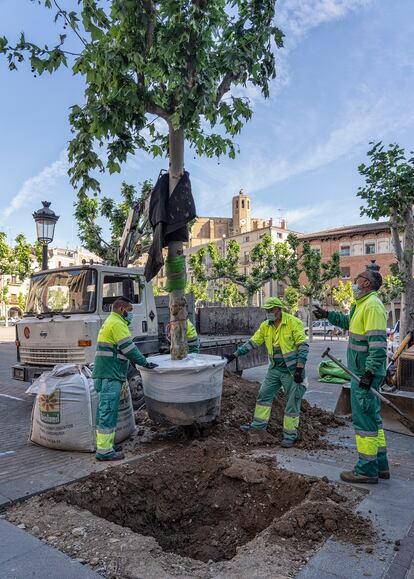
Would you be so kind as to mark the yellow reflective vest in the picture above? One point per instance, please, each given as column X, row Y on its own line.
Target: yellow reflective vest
column 287, row 342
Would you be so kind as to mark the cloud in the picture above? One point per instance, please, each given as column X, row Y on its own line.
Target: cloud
column 36, row 187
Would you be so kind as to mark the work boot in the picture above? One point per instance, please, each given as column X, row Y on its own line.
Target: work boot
column 385, row 474
column 115, row 456
column 245, row 427
column 287, row 443
column 117, row 447
column 353, row 477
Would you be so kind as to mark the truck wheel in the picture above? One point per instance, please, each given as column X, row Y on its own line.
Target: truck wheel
column 135, row 387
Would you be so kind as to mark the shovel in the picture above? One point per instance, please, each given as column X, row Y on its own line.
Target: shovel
column 407, row 422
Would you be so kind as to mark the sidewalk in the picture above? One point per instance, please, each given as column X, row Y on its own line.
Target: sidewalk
column 23, row 556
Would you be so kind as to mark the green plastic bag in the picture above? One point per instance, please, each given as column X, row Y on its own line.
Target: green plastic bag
column 331, row 373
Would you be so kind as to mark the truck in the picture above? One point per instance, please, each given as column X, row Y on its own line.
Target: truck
column 66, row 308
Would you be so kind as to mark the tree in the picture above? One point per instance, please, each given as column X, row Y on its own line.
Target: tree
column 343, row 295
column 318, row 273
column 158, row 290
column 91, row 209
column 391, row 290
column 150, row 60
column 4, row 301
column 389, row 194
column 267, row 261
column 21, row 301
column 199, row 290
column 228, row 294
column 291, row 300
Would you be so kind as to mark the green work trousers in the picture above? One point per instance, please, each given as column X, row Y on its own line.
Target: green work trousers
column 369, row 433
column 274, row 380
column 107, row 414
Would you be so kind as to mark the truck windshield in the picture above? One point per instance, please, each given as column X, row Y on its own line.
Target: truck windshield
column 70, row 292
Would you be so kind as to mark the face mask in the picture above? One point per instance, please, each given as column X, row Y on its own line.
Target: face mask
column 356, row 289
column 271, row 317
column 129, row 317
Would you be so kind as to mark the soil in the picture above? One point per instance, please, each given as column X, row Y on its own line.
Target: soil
column 197, row 510
column 203, row 508
column 237, row 407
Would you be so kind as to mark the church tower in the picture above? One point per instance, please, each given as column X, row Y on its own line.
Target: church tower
column 241, row 213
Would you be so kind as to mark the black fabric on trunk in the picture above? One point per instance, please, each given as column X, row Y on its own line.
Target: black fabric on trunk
column 168, row 217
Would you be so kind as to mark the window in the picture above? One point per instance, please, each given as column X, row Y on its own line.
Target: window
column 247, row 238
column 70, row 292
column 116, row 286
column 243, row 204
column 383, row 246
column 59, row 264
column 316, row 249
column 279, row 235
column 345, row 272
column 248, row 204
column 345, row 250
column 369, row 248
column 357, row 248
column 237, row 204
column 13, row 279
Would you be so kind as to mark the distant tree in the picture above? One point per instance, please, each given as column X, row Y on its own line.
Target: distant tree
column 21, row 301
column 267, row 261
column 291, row 300
column 150, row 60
column 343, row 295
column 390, row 292
column 199, row 290
column 389, row 194
column 318, row 273
column 158, row 290
column 228, row 294
column 4, row 301
column 91, row 210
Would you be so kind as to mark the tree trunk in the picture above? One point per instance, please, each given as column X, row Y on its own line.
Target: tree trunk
column 310, row 305
column 249, row 299
column 404, row 255
column 394, row 321
column 178, row 304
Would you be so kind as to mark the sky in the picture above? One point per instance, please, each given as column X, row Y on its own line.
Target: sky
column 345, row 78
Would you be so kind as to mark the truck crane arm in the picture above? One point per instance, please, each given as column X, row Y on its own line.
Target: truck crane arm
column 136, row 227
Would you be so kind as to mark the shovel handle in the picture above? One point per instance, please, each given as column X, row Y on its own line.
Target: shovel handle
column 407, row 421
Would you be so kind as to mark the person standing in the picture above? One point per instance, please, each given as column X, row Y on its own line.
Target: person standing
column 193, row 340
column 287, row 346
column 115, row 349
column 367, row 358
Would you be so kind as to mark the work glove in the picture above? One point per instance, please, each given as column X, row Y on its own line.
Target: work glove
column 366, row 380
column 229, row 358
column 150, row 366
column 320, row 313
column 297, row 376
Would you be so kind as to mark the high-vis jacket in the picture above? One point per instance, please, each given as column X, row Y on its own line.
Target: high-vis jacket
column 286, row 344
column 192, row 338
column 367, row 325
column 115, row 349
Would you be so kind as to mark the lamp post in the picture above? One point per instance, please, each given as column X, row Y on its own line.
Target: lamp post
column 45, row 220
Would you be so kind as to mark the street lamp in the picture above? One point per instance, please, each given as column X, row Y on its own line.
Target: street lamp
column 45, row 220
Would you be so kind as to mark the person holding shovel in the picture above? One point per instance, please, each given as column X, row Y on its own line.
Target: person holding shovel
column 287, row 346
column 367, row 358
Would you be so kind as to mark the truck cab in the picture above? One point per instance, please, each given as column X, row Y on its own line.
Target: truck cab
column 66, row 308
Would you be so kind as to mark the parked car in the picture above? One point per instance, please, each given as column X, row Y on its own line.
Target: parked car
column 323, row 327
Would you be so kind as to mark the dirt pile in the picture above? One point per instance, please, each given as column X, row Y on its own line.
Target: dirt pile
column 238, row 402
column 204, row 504
column 237, row 408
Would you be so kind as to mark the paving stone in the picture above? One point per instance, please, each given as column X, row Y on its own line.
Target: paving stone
column 23, row 556
column 396, row 572
column 403, row 558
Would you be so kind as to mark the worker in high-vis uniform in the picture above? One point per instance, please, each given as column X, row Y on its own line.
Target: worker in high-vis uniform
column 367, row 358
column 192, row 338
column 114, row 350
column 287, row 346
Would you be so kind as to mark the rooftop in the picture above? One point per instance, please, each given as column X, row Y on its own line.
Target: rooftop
column 347, row 230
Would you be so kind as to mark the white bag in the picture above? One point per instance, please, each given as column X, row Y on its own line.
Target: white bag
column 64, row 413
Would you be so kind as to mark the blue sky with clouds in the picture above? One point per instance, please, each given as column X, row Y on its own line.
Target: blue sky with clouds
column 345, row 77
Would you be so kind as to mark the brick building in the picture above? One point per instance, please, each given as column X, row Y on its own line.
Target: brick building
column 357, row 245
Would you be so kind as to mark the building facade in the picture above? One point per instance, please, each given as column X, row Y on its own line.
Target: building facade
column 206, row 229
